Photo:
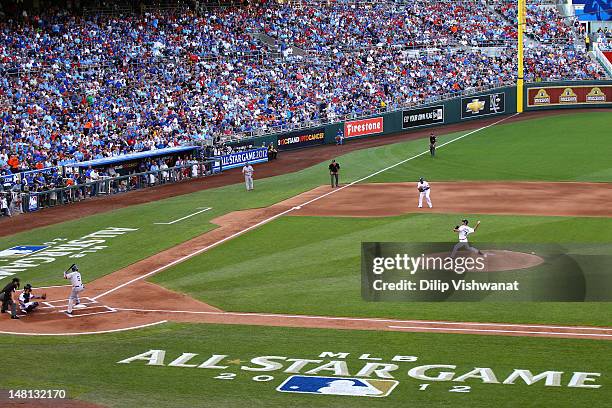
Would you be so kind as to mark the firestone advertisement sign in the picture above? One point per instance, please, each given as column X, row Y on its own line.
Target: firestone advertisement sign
column 569, row 95
column 363, row 127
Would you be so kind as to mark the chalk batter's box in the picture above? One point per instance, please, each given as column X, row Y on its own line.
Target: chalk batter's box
column 87, row 307
column 569, row 95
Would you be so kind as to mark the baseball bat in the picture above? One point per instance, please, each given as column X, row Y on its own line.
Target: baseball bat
column 69, row 268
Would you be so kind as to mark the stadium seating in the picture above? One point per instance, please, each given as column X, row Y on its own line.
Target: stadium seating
column 75, row 88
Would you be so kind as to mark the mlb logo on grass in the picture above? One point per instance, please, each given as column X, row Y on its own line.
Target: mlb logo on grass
column 353, row 387
column 21, row 250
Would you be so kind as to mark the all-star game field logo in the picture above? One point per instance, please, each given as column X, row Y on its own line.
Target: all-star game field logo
column 361, row 375
column 22, row 258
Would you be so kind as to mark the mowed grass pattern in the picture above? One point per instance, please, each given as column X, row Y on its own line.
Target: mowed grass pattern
column 70, row 364
column 311, row 265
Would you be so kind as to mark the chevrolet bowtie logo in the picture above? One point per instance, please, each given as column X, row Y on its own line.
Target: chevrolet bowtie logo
column 475, row 106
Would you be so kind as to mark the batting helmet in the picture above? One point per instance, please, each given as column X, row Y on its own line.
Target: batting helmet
column 74, row 268
column 464, row 221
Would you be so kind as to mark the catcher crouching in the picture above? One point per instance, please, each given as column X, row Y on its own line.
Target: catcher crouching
column 26, row 299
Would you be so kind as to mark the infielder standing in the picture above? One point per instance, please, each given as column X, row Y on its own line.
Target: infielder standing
column 424, row 191
column 248, row 171
column 77, row 287
column 464, row 231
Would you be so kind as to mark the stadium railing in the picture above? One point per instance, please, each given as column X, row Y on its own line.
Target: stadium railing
column 602, row 59
column 22, row 202
column 391, row 107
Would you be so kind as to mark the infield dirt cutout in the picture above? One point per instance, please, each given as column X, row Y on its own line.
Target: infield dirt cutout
column 128, row 301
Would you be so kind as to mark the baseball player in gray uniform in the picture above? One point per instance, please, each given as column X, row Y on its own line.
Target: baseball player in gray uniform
column 77, row 286
column 248, row 171
column 464, row 231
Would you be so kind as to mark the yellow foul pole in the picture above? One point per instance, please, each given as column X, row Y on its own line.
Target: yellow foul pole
column 519, row 81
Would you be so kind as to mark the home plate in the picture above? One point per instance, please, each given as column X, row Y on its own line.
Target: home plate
column 80, row 306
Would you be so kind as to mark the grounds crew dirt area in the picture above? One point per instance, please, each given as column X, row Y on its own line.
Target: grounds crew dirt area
column 124, row 300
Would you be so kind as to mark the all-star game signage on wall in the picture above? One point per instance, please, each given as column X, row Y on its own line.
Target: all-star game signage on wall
column 361, row 375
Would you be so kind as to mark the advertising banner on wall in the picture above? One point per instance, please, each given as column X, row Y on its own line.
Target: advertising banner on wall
column 432, row 115
column 363, row 127
column 230, row 161
column 304, row 138
column 483, row 105
column 569, row 95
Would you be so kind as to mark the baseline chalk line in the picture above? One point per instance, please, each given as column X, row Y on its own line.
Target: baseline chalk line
column 287, row 211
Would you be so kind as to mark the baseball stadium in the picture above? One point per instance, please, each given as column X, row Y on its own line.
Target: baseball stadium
column 309, row 203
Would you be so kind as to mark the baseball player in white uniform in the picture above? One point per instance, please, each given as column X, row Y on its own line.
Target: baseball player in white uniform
column 424, row 191
column 464, row 231
column 77, row 287
column 248, row 171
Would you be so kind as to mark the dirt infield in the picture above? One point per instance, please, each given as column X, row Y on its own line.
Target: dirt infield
column 470, row 197
column 123, row 300
column 286, row 163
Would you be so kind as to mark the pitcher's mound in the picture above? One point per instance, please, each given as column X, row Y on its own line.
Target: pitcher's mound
column 497, row 260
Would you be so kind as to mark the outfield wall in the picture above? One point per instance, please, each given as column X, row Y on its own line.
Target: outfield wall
column 494, row 102
column 568, row 95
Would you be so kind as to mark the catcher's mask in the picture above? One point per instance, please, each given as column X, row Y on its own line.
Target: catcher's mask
column 27, row 287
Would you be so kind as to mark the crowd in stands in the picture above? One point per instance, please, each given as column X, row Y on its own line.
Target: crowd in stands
column 420, row 23
column 75, row 88
column 50, row 187
column 63, row 40
column 544, row 22
column 603, row 37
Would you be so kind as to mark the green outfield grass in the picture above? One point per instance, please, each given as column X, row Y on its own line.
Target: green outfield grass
column 564, row 147
column 558, row 148
column 311, row 265
column 60, row 363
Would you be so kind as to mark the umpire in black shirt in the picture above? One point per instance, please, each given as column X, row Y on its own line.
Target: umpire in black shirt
column 432, row 144
column 6, row 295
column 334, row 169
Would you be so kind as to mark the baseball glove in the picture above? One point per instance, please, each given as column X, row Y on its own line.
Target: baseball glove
column 44, row 296
column 421, row 189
